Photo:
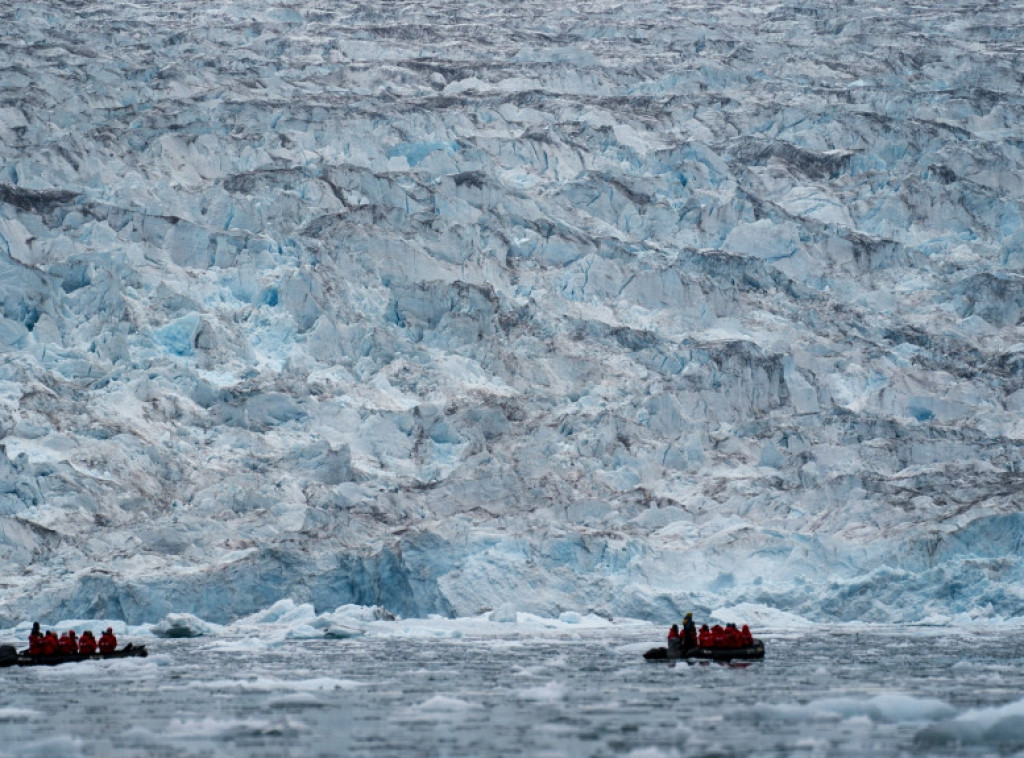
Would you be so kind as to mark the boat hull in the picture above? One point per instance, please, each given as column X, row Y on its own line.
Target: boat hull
column 749, row 653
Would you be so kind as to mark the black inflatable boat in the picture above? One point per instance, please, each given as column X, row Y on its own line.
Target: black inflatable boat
column 749, row 653
column 9, row 656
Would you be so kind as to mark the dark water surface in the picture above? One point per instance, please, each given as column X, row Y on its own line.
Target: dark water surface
column 879, row 692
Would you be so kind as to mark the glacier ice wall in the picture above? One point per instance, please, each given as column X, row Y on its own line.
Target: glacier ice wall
column 628, row 308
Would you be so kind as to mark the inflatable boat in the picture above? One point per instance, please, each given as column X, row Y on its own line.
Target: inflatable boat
column 9, row 656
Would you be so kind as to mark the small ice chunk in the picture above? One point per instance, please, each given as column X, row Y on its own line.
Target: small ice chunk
column 342, row 631
column 175, row 625
column 505, row 614
column 304, row 632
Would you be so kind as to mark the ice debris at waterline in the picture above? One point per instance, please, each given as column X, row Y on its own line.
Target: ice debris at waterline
column 629, row 309
column 287, row 623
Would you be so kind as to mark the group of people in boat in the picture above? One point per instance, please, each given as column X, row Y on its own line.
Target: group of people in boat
column 717, row 636
column 48, row 643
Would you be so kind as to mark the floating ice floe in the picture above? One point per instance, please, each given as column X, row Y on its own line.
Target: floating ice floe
column 342, row 631
column 184, row 625
column 998, row 728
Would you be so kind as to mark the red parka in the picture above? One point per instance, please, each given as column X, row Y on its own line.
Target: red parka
column 68, row 643
column 748, row 638
column 108, row 642
column 50, row 644
column 704, row 636
column 87, row 644
column 35, row 644
column 717, row 636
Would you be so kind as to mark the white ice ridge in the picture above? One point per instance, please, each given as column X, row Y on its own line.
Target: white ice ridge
column 286, row 622
column 509, row 308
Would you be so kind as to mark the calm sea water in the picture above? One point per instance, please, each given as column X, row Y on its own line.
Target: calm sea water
column 830, row 693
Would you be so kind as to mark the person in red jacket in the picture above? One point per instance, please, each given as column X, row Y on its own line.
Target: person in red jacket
column 732, row 636
column 704, row 636
column 748, row 638
column 717, row 636
column 674, row 647
column 35, row 640
column 87, row 643
column 68, row 643
column 108, row 642
column 50, row 644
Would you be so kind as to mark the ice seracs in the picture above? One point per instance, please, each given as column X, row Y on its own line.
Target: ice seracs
column 510, row 318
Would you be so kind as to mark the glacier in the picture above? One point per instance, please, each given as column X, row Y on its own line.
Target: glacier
column 463, row 308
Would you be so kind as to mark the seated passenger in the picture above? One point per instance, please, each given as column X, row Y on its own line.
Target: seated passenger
column 717, row 636
column 108, row 642
column 50, row 644
column 748, row 638
column 674, row 646
column 68, row 643
column 704, row 636
column 732, row 635
column 87, row 643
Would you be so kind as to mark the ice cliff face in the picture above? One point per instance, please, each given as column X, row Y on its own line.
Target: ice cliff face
column 632, row 308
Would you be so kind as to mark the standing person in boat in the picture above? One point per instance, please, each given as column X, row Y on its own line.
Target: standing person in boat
column 35, row 640
column 87, row 643
column 675, row 648
column 108, row 642
column 688, row 639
